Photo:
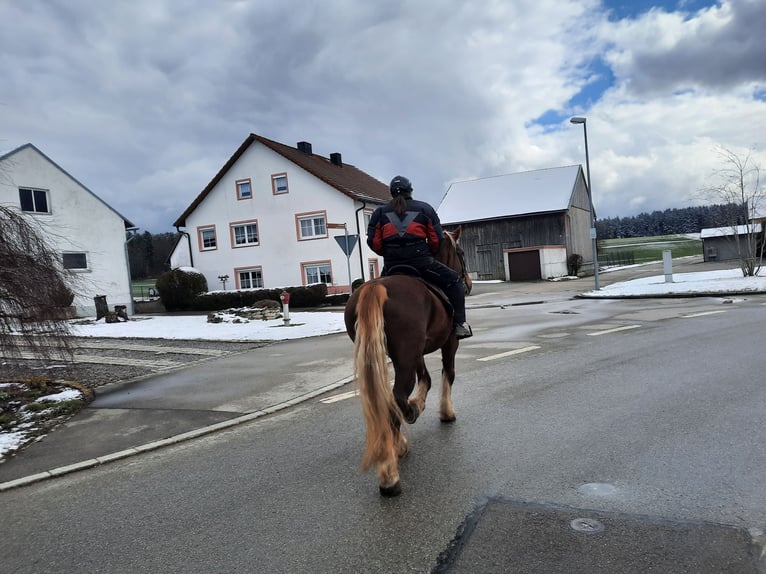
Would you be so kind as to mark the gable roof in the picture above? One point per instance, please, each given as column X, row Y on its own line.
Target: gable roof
column 128, row 223
column 524, row 193
column 346, row 178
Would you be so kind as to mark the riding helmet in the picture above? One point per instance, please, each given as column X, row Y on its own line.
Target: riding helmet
column 400, row 184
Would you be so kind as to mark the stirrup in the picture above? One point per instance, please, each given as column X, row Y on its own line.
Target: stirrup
column 463, row 330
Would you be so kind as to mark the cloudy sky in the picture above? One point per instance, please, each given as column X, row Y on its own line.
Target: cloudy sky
column 144, row 100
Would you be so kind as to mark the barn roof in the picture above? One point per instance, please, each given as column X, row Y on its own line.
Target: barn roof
column 730, row 231
column 524, row 193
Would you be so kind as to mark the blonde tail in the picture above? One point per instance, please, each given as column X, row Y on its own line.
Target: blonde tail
column 371, row 369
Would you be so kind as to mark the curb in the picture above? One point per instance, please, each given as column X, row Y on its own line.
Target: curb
column 155, row 445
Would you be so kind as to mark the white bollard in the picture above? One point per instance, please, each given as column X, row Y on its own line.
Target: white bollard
column 667, row 264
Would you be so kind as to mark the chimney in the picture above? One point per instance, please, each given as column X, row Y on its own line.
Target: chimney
column 305, row 147
column 336, row 160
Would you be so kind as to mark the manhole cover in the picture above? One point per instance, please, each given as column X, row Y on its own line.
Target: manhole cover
column 587, row 525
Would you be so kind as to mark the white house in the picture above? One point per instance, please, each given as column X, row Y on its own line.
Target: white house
column 90, row 235
column 270, row 216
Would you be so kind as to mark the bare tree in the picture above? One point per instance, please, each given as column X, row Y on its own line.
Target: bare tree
column 738, row 183
column 34, row 290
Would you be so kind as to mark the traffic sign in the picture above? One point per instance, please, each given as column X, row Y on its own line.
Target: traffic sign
column 347, row 243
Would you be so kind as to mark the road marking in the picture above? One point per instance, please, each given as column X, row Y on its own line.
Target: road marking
column 702, row 314
column 340, row 397
column 509, row 353
column 616, row 329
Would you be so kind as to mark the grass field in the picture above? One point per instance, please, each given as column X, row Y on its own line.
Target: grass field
column 647, row 249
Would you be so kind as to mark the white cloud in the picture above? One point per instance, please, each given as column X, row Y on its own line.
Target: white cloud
column 144, row 101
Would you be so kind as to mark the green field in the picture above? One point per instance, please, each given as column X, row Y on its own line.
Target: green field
column 140, row 289
column 647, row 249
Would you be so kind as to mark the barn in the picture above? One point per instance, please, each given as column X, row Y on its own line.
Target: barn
column 522, row 226
column 728, row 243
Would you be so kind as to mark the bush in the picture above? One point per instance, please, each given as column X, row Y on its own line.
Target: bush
column 574, row 262
column 309, row 296
column 178, row 288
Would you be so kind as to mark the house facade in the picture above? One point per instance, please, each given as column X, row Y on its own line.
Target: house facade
column 522, row 226
column 270, row 218
column 88, row 233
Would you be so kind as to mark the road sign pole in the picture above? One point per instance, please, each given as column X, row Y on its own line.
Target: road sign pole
column 348, row 260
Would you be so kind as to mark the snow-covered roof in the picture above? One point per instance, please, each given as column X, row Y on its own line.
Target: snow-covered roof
column 730, row 230
column 538, row 191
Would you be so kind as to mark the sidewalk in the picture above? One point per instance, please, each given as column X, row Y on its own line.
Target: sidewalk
column 127, row 419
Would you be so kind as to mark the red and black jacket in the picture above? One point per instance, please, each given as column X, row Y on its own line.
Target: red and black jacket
column 413, row 238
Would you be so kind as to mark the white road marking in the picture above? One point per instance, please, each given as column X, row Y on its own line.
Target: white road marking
column 616, row 329
column 509, row 353
column 340, row 397
column 701, row 314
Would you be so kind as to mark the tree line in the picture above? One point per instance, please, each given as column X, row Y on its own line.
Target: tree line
column 669, row 222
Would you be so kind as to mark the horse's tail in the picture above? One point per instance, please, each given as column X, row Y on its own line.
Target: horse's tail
column 371, row 369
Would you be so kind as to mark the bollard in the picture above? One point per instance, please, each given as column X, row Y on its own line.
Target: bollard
column 667, row 264
column 285, row 298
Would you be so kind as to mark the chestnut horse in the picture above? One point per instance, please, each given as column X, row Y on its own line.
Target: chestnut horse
column 400, row 316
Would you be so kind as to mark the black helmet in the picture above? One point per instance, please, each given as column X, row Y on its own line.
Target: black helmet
column 400, row 184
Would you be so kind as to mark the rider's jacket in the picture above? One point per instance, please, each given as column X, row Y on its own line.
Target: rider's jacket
column 412, row 239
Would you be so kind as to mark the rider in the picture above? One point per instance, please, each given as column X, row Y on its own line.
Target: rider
column 406, row 231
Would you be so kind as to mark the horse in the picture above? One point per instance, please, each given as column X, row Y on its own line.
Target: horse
column 403, row 317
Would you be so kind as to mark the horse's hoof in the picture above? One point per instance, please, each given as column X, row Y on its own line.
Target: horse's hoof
column 451, row 419
column 414, row 414
column 391, row 491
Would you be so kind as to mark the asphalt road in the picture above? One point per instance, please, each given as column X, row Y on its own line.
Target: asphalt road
column 648, row 412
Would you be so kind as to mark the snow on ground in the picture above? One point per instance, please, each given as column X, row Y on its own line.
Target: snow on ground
column 306, row 324
column 725, row 281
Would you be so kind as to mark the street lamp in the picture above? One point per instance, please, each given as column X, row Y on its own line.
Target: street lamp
column 581, row 120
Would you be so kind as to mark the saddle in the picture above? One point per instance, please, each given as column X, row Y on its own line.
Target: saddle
column 404, row 269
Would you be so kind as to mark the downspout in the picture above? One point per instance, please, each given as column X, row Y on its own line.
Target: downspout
column 188, row 240
column 359, row 235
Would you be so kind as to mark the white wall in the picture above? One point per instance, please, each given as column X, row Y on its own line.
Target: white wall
column 553, row 262
column 78, row 222
column 279, row 253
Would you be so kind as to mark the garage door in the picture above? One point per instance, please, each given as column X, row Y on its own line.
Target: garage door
column 524, row 265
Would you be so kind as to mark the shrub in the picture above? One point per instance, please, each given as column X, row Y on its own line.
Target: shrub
column 179, row 287
column 308, row 296
column 574, row 262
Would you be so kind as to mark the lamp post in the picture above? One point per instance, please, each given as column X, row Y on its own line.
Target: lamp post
column 583, row 121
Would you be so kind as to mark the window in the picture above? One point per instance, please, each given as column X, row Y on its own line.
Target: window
column 279, row 183
column 244, row 189
column 249, row 278
column 372, row 266
column 75, row 260
column 312, row 225
column 33, row 200
column 206, row 237
column 244, row 233
column 318, row 272
column 367, row 217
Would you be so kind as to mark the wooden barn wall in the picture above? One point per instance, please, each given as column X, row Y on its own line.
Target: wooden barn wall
column 484, row 242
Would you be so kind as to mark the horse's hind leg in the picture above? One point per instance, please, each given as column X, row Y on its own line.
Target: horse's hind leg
column 446, row 408
column 424, row 385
